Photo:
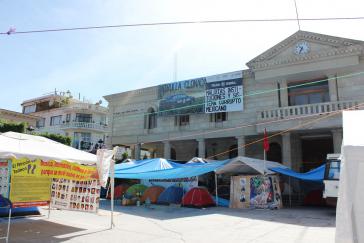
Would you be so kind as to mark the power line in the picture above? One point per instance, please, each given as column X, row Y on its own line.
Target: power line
column 12, row 31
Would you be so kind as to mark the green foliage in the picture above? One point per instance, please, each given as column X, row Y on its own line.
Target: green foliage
column 12, row 126
column 58, row 138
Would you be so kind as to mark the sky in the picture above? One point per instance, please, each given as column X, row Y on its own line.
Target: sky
column 94, row 63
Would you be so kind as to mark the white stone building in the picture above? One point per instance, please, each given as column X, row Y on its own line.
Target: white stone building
column 293, row 90
column 60, row 114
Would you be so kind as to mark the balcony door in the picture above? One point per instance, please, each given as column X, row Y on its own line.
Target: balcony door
column 308, row 92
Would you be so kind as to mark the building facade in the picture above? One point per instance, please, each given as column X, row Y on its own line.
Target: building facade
column 13, row 116
column 294, row 91
column 59, row 113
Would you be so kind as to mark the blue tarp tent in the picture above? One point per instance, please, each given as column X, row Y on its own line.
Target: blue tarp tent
column 316, row 174
column 172, row 194
column 163, row 169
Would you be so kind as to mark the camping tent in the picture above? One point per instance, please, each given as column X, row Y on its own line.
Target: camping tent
column 172, row 194
column 251, row 166
column 350, row 207
column 152, row 193
column 197, row 197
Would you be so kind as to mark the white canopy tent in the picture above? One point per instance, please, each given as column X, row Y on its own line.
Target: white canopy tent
column 350, row 207
column 18, row 145
column 246, row 165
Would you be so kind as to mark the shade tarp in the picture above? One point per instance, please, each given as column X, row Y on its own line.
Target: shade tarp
column 18, row 145
column 316, row 174
column 251, row 166
column 163, row 169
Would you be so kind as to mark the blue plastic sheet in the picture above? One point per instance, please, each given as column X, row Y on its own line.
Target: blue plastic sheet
column 163, row 169
column 316, row 174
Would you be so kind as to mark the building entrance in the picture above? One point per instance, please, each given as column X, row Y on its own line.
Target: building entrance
column 314, row 152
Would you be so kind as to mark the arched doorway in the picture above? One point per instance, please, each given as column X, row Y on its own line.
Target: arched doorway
column 275, row 152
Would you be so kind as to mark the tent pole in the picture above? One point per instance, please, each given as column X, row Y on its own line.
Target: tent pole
column 112, row 184
column 49, row 210
column 216, row 195
column 7, row 234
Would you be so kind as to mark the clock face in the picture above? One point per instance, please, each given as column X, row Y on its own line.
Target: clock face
column 301, row 48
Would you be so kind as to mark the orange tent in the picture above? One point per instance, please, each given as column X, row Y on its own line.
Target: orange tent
column 152, row 193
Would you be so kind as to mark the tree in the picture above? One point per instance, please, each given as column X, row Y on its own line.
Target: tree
column 56, row 137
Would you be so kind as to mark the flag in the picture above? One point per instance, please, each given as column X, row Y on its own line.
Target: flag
column 265, row 141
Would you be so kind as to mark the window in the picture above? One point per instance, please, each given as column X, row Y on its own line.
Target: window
column 80, row 117
column 301, row 94
column 56, row 120
column 29, row 109
column 68, row 117
column 182, row 120
column 218, row 117
column 40, row 123
column 150, row 119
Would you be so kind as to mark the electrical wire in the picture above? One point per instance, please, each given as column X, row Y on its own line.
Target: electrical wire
column 13, row 31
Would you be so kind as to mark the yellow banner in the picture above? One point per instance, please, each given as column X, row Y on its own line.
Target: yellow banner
column 53, row 169
column 29, row 189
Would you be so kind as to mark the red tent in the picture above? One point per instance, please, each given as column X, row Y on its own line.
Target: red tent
column 118, row 191
column 198, row 197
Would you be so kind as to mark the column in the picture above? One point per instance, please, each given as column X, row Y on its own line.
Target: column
column 167, row 150
column 337, row 138
column 332, row 87
column 286, row 150
column 241, row 142
column 284, row 92
column 201, row 148
column 137, row 151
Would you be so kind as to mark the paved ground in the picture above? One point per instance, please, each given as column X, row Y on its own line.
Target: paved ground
column 174, row 224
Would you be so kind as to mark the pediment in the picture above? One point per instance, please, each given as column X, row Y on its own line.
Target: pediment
column 320, row 47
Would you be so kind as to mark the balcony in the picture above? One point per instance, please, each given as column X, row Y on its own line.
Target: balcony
column 85, row 125
column 85, row 106
column 290, row 116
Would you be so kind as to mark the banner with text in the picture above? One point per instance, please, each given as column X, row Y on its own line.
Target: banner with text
column 186, row 183
column 52, row 169
column 224, row 93
column 30, row 191
column 75, row 195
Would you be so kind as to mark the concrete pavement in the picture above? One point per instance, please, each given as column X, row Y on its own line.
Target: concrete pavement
column 175, row 224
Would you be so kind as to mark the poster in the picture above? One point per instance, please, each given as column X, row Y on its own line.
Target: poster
column 4, row 178
column 52, row 169
column 30, row 191
column 75, row 195
column 224, row 93
column 182, row 97
column 261, row 191
column 186, row 183
column 255, row 192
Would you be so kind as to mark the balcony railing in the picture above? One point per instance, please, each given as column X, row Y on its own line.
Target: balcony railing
column 306, row 110
column 84, row 125
column 85, row 106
